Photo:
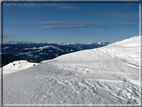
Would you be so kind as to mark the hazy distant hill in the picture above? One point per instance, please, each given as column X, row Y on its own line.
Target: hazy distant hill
column 7, row 58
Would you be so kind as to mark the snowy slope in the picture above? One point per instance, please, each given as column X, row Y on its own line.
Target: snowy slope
column 17, row 66
column 107, row 75
column 131, row 42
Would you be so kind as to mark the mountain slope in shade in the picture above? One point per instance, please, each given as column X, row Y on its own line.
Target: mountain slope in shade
column 107, row 75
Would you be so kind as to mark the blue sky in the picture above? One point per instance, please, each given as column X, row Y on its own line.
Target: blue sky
column 70, row 22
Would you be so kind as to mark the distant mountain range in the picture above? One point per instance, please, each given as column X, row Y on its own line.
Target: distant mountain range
column 37, row 52
column 62, row 43
column 79, row 46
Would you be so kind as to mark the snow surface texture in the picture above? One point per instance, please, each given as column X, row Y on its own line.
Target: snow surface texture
column 106, row 75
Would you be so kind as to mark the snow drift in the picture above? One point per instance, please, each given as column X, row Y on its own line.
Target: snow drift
column 107, row 75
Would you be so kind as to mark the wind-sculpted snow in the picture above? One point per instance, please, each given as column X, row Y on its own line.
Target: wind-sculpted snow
column 107, row 75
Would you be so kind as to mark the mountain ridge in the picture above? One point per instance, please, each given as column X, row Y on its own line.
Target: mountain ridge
column 60, row 43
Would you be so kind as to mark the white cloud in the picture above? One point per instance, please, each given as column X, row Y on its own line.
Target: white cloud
column 64, row 26
column 55, row 5
column 8, row 36
column 50, row 22
column 127, row 15
column 69, row 7
column 128, row 24
column 122, row 15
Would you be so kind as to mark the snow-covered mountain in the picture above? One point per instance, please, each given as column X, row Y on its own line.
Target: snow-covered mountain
column 17, row 66
column 62, row 43
column 20, row 42
column 106, row 75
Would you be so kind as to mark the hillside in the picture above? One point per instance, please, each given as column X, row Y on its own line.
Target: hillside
column 15, row 66
column 106, row 75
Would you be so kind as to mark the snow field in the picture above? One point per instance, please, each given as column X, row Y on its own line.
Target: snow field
column 107, row 75
column 17, row 66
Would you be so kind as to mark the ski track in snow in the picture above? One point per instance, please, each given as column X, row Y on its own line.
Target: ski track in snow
column 107, row 75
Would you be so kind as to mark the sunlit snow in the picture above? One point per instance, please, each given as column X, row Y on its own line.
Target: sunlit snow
column 17, row 66
column 106, row 75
